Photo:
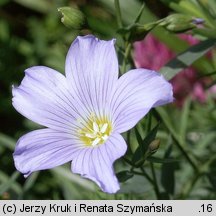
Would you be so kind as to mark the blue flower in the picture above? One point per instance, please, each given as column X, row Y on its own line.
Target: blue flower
column 84, row 112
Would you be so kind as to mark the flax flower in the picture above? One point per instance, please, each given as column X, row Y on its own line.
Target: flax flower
column 84, row 112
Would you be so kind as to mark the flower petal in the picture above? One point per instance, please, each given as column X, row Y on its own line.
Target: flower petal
column 44, row 149
column 92, row 71
column 96, row 163
column 137, row 92
column 44, row 98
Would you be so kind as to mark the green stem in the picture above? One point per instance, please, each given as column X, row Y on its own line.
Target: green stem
column 190, row 185
column 181, row 148
column 128, row 137
column 128, row 161
column 187, row 188
column 6, row 185
column 157, row 192
column 118, row 14
column 128, row 48
column 144, row 173
column 163, row 115
column 149, row 122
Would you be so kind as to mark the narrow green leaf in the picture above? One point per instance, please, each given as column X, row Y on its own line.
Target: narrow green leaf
column 186, row 58
column 212, row 175
column 165, row 117
column 7, row 141
column 162, row 160
column 39, row 5
column 6, row 185
column 167, row 173
column 70, row 190
column 139, row 13
column 206, row 13
column 129, row 10
column 4, row 179
column 65, row 173
column 184, row 120
column 139, row 154
column 138, row 136
column 123, row 176
column 30, row 181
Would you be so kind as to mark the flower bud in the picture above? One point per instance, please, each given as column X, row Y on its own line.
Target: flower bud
column 72, row 17
column 180, row 23
column 154, row 146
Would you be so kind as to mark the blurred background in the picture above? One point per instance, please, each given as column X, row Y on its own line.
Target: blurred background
column 31, row 33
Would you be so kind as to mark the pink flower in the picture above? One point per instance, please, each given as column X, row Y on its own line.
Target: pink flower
column 152, row 54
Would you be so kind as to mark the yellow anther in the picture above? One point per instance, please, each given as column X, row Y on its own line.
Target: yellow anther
column 95, row 127
column 96, row 141
column 96, row 131
column 103, row 128
column 105, row 137
column 91, row 135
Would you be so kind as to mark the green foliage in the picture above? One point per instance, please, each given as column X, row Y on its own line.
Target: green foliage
column 185, row 59
column 144, row 150
column 124, row 175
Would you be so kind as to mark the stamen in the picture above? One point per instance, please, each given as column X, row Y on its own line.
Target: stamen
column 105, row 137
column 96, row 141
column 103, row 128
column 95, row 127
column 91, row 135
column 96, row 131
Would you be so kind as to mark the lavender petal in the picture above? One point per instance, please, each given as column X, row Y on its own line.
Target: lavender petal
column 44, row 98
column 92, row 71
column 138, row 91
column 96, row 163
column 44, row 149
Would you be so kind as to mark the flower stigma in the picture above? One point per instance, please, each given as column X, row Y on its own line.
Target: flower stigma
column 95, row 131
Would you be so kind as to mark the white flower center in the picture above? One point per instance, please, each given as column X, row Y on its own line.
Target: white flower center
column 98, row 134
column 96, row 131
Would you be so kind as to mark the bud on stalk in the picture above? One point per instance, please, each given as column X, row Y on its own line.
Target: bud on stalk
column 72, row 18
column 179, row 23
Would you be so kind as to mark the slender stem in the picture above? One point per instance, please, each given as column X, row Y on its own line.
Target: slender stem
column 190, row 185
column 6, row 185
column 143, row 173
column 157, row 192
column 187, row 188
column 129, row 142
column 146, row 175
column 149, row 122
column 181, row 148
column 128, row 161
column 118, row 14
column 176, row 139
column 126, row 55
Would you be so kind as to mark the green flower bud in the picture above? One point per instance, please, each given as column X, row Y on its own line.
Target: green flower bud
column 176, row 23
column 154, row 146
column 72, row 17
column 180, row 23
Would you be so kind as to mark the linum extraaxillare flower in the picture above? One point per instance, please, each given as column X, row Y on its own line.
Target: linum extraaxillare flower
column 84, row 112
